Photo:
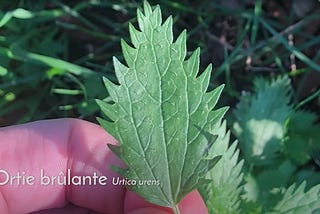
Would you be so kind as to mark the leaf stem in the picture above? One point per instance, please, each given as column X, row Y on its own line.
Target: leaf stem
column 176, row 209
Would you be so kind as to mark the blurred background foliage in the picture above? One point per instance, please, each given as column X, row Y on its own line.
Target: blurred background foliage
column 53, row 55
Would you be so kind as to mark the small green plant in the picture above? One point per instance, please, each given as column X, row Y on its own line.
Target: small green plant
column 277, row 139
column 168, row 131
column 161, row 113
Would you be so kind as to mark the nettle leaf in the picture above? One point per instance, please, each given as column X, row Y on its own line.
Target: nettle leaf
column 222, row 193
column 261, row 119
column 264, row 187
column 302, row 136
column 161, row 113
column 296, row 200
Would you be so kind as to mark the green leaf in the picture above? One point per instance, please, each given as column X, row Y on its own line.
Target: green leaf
column 302, row 136
column 21, row 13
column 160, row 110
column 3, row 71
column 264, row 187
column 296, row 200
column 222, row 193
column 17, row 52
column 311, row 176
column 261, row 118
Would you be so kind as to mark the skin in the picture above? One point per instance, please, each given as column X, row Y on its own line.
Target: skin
column 61, row 144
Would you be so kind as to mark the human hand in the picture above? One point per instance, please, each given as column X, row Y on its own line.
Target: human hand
column 53, row 147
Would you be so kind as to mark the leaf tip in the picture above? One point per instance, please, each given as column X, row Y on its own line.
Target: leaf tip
column 147, row 8
column 115, row 149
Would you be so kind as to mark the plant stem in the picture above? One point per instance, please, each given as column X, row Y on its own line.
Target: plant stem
column 176, row 209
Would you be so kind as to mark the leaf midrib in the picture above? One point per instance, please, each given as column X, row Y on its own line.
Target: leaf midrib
column 161, row 113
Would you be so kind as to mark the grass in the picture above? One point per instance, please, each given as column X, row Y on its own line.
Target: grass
column 66, row 48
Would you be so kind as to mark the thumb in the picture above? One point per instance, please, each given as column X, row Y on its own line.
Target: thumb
column 191, row 204
column 148, row 211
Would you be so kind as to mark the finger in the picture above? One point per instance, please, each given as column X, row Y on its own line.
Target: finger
column 53, row 147
column 69, row 209
column 191, row 204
